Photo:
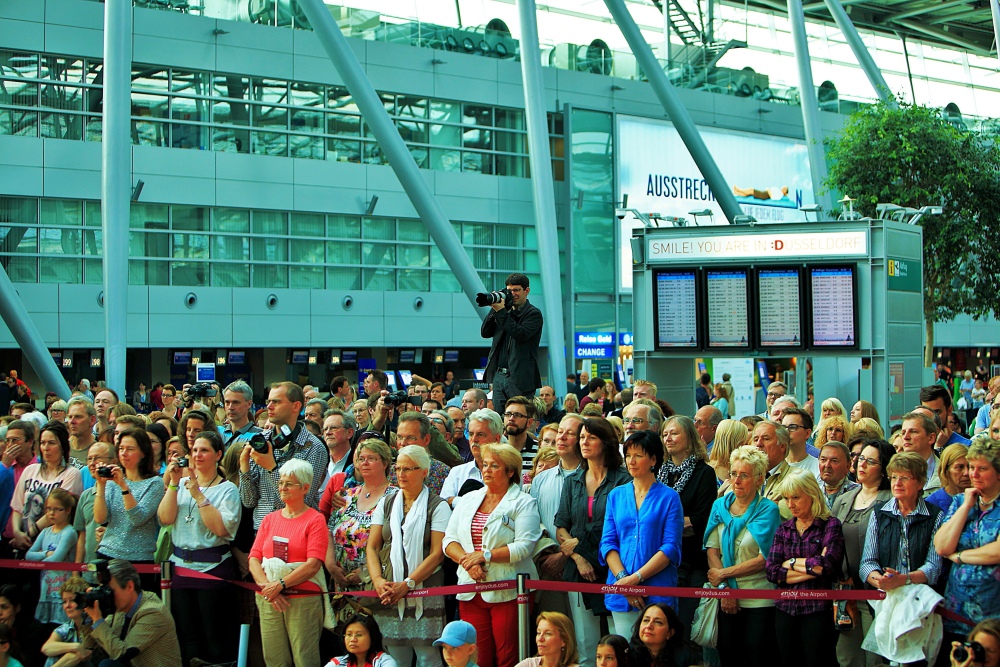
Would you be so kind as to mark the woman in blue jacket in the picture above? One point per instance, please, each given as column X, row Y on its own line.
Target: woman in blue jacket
column 641, row 557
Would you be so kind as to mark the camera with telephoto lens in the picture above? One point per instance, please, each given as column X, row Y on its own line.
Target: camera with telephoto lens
column 961, row 653
column 201, row 390
column 258, row 443
column 500, row 296
column 396, row 398
column 105, row 472
column 183, row 462
column 101, row 594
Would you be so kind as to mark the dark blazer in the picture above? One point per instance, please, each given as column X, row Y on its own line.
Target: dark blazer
column 520, row 331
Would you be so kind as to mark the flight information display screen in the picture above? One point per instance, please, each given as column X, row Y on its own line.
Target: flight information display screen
column 676, row 309
column 726, row 297
column 834, row 306
column 779, row 307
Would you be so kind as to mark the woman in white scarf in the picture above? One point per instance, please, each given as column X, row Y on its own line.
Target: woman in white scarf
column 404, row 554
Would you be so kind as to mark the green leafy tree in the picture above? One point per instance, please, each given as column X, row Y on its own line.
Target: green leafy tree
column 913, row 156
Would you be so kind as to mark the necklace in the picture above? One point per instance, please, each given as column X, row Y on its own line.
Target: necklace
column 369, row 494
column 986, row 503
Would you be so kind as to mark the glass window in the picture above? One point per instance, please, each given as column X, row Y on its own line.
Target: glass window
column 148, row 216
column 383, row 229
column 414, row 280
column 230, row 247
column 378, row 254
column 193, row 218
column 193, row 274
column 378, row 279
column 272, row 223
column 230, row 275
column 306, row 277
column 269, row 276
column 233, row 220
column 412, row 230
column 413, row 255
column 343, row 226
column 477, row 234
column 476, row 114
column 308, row 224
column 93, row 271
column 190, row 246
column 343, row 253
column 343, row 278
column 92, row 213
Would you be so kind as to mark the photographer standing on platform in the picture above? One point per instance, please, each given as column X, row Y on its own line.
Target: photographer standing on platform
column 516, row 328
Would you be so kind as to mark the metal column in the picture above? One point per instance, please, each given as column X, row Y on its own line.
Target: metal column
column 864, row 58
column 16, row 317
column 995, row 6
column 540, row 157
column 672, row 104
column 116, row 181
column 400, row 160
column 809, row 103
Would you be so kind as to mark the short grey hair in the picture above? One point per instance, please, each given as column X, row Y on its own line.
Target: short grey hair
column 301, row 470
column 786, row 399
column 420, row 418
column 346, row 417
column 449, row 423
column 123, row 572
column 317, row 401
column 714, row 415
column 417, row 454
column 85, row 402
column 240, row 387
column 488, row 417
column 654, row 415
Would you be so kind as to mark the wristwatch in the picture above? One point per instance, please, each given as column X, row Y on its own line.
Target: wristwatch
column 791, row 564
column 488, row 556
column 410, row 583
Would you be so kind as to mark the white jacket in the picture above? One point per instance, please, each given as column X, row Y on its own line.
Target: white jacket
column 514, row 524
column 906, row 629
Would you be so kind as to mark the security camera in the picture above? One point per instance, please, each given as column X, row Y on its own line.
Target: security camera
column 621, row 213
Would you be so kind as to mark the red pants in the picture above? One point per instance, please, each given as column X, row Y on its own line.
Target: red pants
column 496, row 630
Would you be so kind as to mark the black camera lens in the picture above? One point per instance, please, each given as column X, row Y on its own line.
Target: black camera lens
column 104, row 471
column 396, row 398
column 183, row 462
column 258, row 443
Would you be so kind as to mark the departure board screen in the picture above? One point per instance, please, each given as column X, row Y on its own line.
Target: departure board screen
column 676, row 313
column 780, row 307
column 833, row 306
column 728, row 321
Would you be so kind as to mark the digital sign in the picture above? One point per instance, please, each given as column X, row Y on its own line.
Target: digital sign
column 779, row 307
column 675, row 303
column 833, row 306
column 758, row 246
column 728, row 321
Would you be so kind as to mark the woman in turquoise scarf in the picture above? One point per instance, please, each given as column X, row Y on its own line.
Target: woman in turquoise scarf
column 738, row 539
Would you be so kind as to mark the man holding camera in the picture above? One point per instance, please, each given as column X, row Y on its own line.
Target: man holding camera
column 140, row 632
column 261, row 459
column 516, row 328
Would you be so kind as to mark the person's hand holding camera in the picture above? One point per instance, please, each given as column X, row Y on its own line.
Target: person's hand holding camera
column 265, row 460
column 94, row 609
column 173, row 474
column 964, row 654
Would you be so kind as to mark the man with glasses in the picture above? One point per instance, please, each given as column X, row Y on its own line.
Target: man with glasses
column 485, row 427
column 799, row 425
column 919, row 433
column 642, row 414
column 100, row 454
column 18, row 454
column 774, row 390
column 517, row 418
column 259, row 471
column 415, row 429
column 338, row 433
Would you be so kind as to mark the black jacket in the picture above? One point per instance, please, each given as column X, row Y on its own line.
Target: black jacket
column 518, row 332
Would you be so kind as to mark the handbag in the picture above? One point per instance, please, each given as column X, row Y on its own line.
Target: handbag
column 705, row 626
column 845, row 612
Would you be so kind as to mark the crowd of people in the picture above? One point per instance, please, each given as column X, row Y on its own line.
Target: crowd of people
column 321, row 494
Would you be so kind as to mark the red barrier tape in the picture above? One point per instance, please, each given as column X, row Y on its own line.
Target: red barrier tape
column 532, row 584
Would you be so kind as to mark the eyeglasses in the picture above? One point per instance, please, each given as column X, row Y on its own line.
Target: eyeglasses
column 634, row 420
column 901, row 478
column 406, row 471
column 792, row 428
column 493, row 466
column 740, row 476
column 514, row 415
column 871, row 462
column 772, row 394
column 369, row 459
column 407, row 439
column 332, row 428
column 287, row 485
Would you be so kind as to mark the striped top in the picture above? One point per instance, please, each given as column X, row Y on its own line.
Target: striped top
column 478, row 523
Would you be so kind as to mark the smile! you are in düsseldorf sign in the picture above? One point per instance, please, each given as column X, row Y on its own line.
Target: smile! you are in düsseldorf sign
column 768, row 175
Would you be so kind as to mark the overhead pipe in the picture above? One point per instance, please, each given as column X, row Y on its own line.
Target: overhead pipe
column 861, row 53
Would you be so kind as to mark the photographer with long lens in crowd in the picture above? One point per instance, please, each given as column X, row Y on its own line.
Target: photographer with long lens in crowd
column 516, row 329
column 130, row 625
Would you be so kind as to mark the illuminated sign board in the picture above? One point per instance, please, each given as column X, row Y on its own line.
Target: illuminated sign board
column 758, row 246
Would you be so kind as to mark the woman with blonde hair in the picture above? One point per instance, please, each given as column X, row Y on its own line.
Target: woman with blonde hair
column 806, row 554
column 835, row 428
column 869, row 425
column 555, row 640
column 729, row 436
column 571, row 403
column 832, row 407
column 545, row 458
column 953, row 471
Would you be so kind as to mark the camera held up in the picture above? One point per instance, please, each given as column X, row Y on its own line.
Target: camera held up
column 101, row 594
column 961, row 653
column 490, row 298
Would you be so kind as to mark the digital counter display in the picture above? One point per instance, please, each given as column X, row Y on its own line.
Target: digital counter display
column 780, row 307
column 728, row 321
column 676, row 301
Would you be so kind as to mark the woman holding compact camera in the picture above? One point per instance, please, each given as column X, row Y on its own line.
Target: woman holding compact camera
column 204, row 510
column 981, row 648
